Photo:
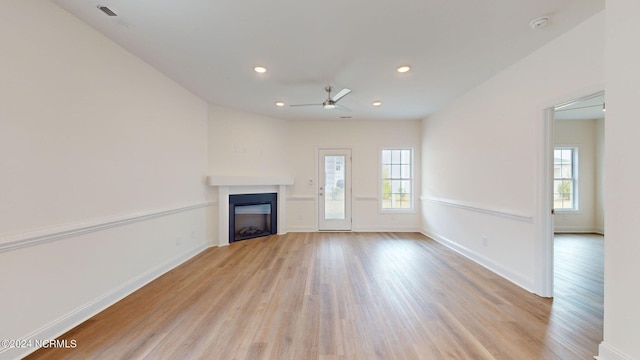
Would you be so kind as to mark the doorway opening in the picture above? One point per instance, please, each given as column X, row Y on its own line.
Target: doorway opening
column 573, row 189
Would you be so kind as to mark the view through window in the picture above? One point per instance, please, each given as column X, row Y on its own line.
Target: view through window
column 564, row 178
column 397, row 177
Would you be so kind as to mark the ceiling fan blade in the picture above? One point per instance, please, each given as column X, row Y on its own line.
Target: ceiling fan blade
column 304, row 105
column 342, row 108
column 344, row 92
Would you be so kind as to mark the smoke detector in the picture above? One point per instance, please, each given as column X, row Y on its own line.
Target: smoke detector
column 539, row 22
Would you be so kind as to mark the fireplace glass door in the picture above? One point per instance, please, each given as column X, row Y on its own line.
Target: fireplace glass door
column 252, row 216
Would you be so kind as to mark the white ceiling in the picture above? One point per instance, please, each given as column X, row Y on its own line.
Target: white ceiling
column 211, row 47
column 589, row 108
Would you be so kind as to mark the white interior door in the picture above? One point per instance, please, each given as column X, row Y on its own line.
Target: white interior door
column 334, row 189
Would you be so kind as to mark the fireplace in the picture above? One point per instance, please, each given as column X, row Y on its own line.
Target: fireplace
column 252, row 216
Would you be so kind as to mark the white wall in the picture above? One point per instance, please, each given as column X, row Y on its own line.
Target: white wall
column 103, row 162
column 365, row 139
column 583, row 134
column 245, row 144
column 622, row 176
column 483, row 154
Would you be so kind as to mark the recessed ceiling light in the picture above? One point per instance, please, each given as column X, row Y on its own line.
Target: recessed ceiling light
column 376, row 103
column 279, row 104
column 260, row 69
column 539, row 22
column 403, row 69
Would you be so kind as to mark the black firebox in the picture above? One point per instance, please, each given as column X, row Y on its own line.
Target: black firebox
column 252, row 216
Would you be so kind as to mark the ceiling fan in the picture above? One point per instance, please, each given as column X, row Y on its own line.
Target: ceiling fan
column 331, row 102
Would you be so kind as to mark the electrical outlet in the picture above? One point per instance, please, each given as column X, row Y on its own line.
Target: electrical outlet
column 485, row 241
column 193, row 234
column 179, row 240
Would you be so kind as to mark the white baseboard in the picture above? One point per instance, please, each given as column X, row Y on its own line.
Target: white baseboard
column 83, row 313
column 357, row 229
column 606, row 352
column 399, row 229
column 518, row 279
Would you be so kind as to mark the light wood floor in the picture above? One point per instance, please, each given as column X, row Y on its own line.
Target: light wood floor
column 345, row 296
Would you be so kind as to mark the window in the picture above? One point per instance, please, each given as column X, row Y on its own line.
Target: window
column 564, row 178
column 397, row 179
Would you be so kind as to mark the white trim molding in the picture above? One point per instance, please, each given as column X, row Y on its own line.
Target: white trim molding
column 516, row 278
column 249, row 180
column 81, row 314
column 506, row 214
column 44, row 235
column 606, row 352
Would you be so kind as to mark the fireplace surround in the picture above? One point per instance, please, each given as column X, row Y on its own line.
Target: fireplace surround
column 233, row 185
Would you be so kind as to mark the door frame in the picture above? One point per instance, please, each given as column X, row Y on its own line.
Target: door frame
column 347, row 186
column 544, row 277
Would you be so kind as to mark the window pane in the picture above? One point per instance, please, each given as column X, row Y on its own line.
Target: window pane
column 564, row 174
column 395, row 186
column 386, row 190
column 405, row 172
column 406, row 157
column 395, row 156
column 396, row 178
column 395, row 171
column 557, row 155
column 406, row 185
column 334, row 204
column 386, row 156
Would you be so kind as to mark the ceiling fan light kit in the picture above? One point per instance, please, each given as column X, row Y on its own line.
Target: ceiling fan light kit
column 331, row 102
column 328, row 105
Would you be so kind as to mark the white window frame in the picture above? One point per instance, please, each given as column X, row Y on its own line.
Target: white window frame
column 574, row 177
column 412, row 198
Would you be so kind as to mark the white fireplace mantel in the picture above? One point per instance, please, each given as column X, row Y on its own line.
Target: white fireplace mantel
column 248, row 184
column 250, row 180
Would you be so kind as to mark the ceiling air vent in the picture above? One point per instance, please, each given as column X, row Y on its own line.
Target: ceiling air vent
column 106, row 10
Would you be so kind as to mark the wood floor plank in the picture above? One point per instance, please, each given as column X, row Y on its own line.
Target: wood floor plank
column 348, row 296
